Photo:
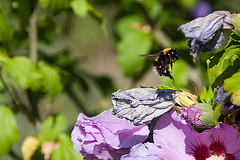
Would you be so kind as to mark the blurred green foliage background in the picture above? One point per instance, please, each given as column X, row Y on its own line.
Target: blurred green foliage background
column 62, row 57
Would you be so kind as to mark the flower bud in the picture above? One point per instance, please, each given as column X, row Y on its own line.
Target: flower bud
column 200, row 114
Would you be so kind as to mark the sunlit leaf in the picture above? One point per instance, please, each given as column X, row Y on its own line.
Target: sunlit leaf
column 80, row 7
column 223, row 65
column 65, row 150
column 53, row 126
column 9, row 131
column 217, row 112
column 206, row 96
column 236, row 22
column 51, row 79
column 232, row 84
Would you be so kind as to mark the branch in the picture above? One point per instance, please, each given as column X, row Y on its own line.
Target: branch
column 33, row 37
column 16, row 100
column 76, row 100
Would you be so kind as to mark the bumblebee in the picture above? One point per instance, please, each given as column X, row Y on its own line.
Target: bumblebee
column 162, row 61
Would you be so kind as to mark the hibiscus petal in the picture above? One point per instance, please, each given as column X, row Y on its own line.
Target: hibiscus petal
column 147, row 151
column 169, row 134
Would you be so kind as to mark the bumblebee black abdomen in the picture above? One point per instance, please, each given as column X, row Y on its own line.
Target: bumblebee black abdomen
column 165, row 58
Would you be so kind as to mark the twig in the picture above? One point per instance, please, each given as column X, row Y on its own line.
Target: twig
column 161, row 38
column 16, row 100
column 76, row 100
column 33, row 37
column 14, row 155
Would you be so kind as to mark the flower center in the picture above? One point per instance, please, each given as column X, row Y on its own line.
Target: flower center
column 214, row 157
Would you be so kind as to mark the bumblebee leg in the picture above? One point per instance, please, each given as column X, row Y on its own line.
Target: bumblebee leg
column 168, row 74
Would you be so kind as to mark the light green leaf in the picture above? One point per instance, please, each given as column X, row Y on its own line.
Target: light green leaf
column 9, row 131
column 23, row 72
column 53, row 126
column 65, row 150
column 80, row 7
column 208, row 117
column 217, row 112
column 236, row 22
column 51, row 79
column 232, row 84
column 127, row 25
column 206, row 96
column 130, row 47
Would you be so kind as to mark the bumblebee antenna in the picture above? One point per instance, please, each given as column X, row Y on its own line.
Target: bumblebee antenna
column 179, row 48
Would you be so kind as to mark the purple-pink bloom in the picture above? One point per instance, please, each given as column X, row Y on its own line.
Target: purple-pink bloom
column 192, row 115
column 146, row 151
column 105, row 136
column 181, row 142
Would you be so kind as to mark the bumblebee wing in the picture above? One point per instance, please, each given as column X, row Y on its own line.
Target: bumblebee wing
column 149, row 55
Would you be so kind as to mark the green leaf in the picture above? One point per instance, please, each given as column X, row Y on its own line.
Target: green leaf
column 236, row 22
column 188, row 4
column 217, row 112
column 9, row 132
column 23, row 11
column 153, row 7
column 23, row 72
column 208, row 117
column 53, row 126
column 232, row 84
column 65, row 150
column 51, row 79
column 80, row 7
column 54, row 6
column 223, row 64
column 127, row 25
column 206, row 96
column 6, row 32
column 179, row 73
column 130, row 47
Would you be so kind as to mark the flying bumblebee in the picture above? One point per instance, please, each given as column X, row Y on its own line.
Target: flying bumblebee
column 162, row 61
